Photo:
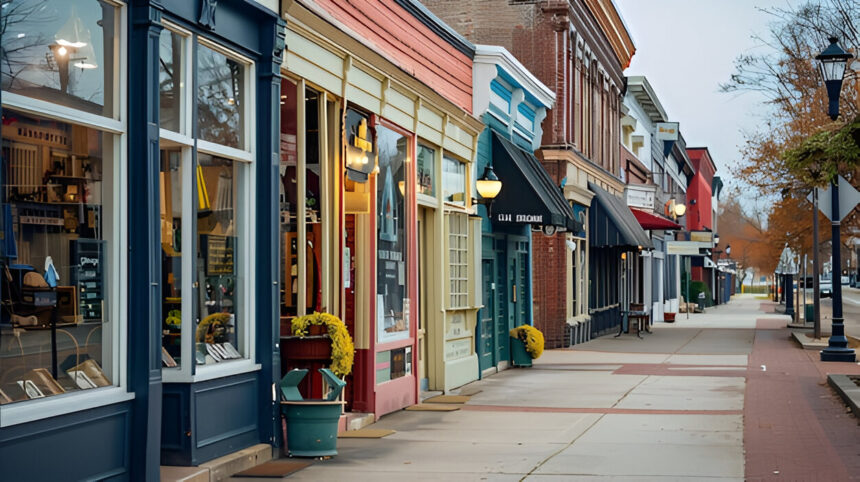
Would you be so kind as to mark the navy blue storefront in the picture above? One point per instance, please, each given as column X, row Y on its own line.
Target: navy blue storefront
column 124, row 344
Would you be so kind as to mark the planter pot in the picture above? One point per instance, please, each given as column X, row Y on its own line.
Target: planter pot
column 519, row 356
column 312, row 427
column 669, row 317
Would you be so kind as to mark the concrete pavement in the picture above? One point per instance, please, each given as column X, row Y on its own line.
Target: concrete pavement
column 724, row 395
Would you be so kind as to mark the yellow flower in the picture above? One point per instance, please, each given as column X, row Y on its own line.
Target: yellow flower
column 342, row 347
column 531, row 337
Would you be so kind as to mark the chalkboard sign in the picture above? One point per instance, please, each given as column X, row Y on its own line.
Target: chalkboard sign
column 88, row 275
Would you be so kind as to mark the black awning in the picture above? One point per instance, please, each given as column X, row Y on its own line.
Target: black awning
column 528, row 194
column 612, row 224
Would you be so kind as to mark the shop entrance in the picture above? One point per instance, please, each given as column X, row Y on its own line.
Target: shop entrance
column 423, row 253
column 506, row 297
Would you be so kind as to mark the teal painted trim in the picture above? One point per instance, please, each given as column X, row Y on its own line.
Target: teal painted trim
column 529, row 96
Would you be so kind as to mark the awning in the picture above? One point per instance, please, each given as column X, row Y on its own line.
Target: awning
column 652, row 221
column 611, row 224
column 528, row 194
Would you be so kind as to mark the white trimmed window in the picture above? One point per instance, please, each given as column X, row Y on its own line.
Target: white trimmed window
column 458, row 260
column 62, row 215
column 206, row 185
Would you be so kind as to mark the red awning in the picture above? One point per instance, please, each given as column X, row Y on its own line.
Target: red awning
column 652, row 221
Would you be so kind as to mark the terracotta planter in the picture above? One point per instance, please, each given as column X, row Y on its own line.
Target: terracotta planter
column 669, row 317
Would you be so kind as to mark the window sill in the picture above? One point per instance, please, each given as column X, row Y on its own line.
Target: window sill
column 206, row 373
column 62, row 404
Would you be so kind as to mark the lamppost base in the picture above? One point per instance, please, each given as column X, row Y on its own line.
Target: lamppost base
column 835, row 354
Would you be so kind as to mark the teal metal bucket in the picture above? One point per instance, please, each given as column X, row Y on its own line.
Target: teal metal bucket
column 519, row 356
column 312, row 427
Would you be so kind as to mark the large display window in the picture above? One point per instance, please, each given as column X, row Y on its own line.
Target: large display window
column 206, row 220
column 392, row 317
column 62, row 223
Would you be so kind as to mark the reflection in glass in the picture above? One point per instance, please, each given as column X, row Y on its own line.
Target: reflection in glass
column 170, row 185
column 60, row 51
column 171, row 82
column 313, row 202
column 426, row 167
column 289, row 200
column 217, row 268
column 220, row 102
column 454, row 181
column 391, row 240
column 54, row 258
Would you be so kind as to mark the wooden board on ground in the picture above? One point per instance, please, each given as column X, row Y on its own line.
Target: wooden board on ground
column 448, row 399
column 366, row 433
column 432, row 407
column 274, row 469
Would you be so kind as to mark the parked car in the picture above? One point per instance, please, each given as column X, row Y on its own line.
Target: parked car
column 845, row 280
column 825, row 286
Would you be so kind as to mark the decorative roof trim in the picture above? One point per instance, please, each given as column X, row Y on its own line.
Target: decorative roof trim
column 639, row 87
column 440, row 28
column 499, row 56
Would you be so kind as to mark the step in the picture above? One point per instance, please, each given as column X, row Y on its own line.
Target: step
column 355, row 421
column 223, row 467
column 171, row 473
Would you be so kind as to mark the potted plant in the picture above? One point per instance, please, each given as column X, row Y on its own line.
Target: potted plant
column 669, row 317
column 342, row 347
column 526, row 345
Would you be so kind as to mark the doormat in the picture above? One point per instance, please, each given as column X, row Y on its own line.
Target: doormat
column 448, row 399
column 366, row 433
column 275, row 469
column 432, row 407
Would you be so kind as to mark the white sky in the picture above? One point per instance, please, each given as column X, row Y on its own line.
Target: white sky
column 686, row 48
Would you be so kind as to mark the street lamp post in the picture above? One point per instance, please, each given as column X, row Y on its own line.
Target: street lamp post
column 833, row 61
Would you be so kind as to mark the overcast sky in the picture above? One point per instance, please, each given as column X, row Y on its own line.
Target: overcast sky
column 686, row 48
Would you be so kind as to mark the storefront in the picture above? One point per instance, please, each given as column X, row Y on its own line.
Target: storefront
column 513, row 104
column 379, row 161
column 616, row 241
column 112, row 331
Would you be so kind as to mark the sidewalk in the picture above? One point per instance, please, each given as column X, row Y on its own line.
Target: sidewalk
column 723, row 395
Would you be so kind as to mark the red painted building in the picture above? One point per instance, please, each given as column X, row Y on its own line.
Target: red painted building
column 699, row 194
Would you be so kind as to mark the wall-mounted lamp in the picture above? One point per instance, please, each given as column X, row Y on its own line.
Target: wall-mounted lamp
column 488, row 187
column 716, row 239
column 674, row 210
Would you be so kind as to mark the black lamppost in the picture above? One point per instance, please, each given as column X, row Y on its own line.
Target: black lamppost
column 832, row 65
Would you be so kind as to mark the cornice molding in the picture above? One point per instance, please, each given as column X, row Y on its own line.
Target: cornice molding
column 440, row 28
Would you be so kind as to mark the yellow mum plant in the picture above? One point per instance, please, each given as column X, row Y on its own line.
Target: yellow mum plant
column 531, row 337
column 342, row 348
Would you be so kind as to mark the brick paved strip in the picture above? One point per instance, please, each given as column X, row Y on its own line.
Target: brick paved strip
column 624, row 411
column 794, row 426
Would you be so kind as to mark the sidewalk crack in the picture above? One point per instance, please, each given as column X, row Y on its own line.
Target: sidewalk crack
column 562, row 449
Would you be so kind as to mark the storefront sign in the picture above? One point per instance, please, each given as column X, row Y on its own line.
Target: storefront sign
column 520, row 218
column 667, row 131
column 702, row 236
column 456, row 349
column 641, row 197
column 686, row 248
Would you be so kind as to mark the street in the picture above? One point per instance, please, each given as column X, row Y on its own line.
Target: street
column 724, row 395
column 850, row 311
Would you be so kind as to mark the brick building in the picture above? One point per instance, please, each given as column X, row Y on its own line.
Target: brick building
column 578, row 48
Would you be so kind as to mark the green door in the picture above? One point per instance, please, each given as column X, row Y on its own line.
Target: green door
column 487, row 316
column 503, row 324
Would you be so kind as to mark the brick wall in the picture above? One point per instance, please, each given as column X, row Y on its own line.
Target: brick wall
column 549, row 283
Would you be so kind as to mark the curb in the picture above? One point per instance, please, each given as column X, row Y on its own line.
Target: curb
column 848, row 390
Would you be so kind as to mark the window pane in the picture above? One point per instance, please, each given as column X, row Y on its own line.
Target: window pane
column 391, row 236
column 171, row 80
column 220, row 102
column 289, row 199
column 313, row 199
column 54, row 258
column 171, row 256
column 219, row 306
column 454, row 181
column 426, row 170
column 60, row 51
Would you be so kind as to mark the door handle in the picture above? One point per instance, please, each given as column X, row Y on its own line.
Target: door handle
column 514, row 297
